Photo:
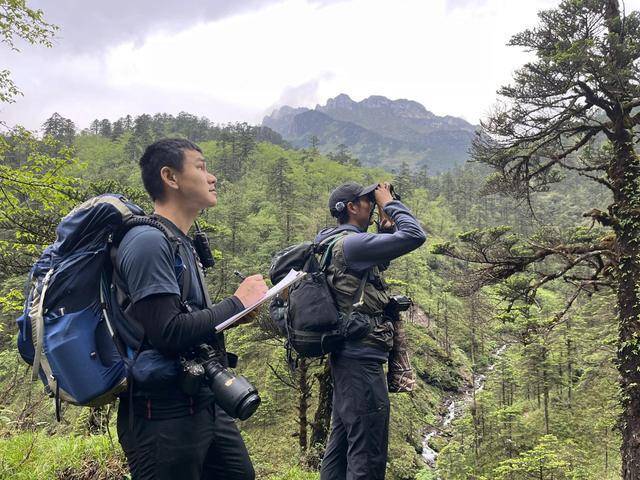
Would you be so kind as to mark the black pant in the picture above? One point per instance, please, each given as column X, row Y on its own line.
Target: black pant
column 357, row 447
column 206, row 445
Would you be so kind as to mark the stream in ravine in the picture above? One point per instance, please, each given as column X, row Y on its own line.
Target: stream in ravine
column 455, row 406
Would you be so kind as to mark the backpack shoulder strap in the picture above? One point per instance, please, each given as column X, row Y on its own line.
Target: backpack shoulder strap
column 178, row 247
column 185, row 279
column 328, row 244
column 149, row 220
column 326, row 247
column 134, row 221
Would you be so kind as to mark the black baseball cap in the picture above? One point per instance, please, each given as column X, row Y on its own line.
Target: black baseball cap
column 345, row 193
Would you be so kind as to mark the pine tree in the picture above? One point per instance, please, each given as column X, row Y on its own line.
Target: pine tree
column 403, row 181
column 118, row 129
column 105, row 128
column 60, row 129
column 573, row 108
column 94, row 127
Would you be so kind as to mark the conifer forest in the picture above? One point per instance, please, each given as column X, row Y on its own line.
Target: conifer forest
column 524, row 332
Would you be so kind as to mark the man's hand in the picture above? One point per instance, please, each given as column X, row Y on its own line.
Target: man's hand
column 386, row 225
column 383, row 194
column 251, row 290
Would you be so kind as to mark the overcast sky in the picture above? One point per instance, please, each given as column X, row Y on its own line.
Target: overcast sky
column 237, row 60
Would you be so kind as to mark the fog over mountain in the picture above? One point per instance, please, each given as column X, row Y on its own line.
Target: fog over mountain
column 379, row 131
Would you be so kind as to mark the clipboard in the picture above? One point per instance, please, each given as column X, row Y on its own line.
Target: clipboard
column 292, row 277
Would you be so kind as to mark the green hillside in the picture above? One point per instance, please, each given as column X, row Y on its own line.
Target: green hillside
column 525, row 328
column 277, row 197
column 270, row 197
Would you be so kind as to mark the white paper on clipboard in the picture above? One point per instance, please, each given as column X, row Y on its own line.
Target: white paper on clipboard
column 292, row 277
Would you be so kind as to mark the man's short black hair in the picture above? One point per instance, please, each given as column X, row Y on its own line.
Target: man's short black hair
column 168, row 152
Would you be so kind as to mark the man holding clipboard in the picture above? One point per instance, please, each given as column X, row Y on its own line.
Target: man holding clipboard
column 165, row 431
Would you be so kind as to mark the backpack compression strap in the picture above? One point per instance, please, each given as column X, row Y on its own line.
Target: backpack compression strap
column 37, row 326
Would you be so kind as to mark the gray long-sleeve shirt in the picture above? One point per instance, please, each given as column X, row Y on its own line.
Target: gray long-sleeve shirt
column 365, row 250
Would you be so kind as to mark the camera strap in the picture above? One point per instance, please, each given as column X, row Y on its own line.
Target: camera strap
column 373, row 209
column 358, row 299
column 185, row 282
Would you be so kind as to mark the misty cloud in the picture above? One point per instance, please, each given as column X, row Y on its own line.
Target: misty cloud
column 325, row 3
column 77, row 88
column 303, row 95
column 230, row 60
column 90, row 26
column 455, row 4
column 71, row 76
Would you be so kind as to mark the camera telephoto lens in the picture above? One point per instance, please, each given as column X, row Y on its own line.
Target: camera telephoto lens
column 233, row 392
column 248, row 406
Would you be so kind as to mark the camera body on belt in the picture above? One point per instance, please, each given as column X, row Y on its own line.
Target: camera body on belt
column 397, row 304
column 233, row 393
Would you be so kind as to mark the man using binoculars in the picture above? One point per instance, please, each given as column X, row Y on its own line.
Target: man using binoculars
column 169, row 430
column 357, row 446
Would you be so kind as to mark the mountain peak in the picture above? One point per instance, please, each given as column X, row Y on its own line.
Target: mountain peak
column 401, row 107
column 379, row 131
column 286, row 111
column 341, row 101
column 376, row 101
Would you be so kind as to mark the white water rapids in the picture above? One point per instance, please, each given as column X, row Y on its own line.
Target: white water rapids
column 428, row 453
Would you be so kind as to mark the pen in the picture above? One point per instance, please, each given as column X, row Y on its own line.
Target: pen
column 239, row 275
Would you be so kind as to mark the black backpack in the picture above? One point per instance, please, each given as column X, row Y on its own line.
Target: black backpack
column 308, row 317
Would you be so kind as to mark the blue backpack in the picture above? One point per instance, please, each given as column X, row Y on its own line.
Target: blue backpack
column 67, row 331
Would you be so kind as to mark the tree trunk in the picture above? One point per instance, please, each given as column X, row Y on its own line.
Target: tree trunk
column 322, row 416
column 287, row 227
column 97, row 420
column 545, row 388
column 625, row 175
column 511, row 392
column 569, row 362
column 561, row 374
column 606, row 451
column 303, row 403
column 447, row 345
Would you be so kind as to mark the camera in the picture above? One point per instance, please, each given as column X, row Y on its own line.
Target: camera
column 397, row 304
column 233, row 393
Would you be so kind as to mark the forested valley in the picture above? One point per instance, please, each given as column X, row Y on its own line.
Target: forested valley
column 525, row 320
column 549, row 400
